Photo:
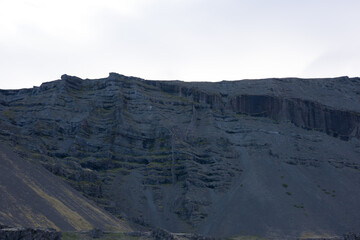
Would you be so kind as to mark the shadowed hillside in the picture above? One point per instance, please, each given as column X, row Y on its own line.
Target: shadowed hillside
column 30, row 196
column 274, row 157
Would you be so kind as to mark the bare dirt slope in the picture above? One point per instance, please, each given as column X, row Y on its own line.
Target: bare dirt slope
column 30, row 196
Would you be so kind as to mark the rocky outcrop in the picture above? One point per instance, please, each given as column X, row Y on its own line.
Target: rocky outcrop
column 29, row 234
column 302, row 113
column 212, row 158
column 351, row 236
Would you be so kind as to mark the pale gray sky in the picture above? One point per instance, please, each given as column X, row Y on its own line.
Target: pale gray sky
column 191, row 40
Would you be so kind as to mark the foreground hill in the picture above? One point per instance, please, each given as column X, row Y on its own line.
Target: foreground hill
column 274, row 157
column 30, row 196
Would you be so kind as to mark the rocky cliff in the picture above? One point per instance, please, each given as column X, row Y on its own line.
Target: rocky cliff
column 270, row 157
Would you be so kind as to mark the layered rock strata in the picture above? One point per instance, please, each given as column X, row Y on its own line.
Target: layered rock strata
column 274, row 156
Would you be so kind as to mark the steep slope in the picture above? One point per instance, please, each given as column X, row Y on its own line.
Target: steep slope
column 30, row 196
column 271, row 157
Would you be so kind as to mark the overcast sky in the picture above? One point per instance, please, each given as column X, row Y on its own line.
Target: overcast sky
column 191, row 40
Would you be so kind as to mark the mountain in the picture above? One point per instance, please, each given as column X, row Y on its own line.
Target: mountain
column 271, row 157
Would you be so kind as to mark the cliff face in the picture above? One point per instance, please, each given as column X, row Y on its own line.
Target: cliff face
column 269, row 157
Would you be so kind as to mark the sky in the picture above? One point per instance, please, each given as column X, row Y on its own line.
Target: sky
column 190, row 40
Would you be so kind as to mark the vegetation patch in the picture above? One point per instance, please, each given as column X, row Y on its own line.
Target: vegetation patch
column 106, row 236
column 327, row 192
column 247, row 238
column 298, row 206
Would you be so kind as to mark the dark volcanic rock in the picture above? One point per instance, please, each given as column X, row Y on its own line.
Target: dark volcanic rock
column 96, row 233
column 352, row 236
column 29, row 234
column 160, row 234
column 270, row 157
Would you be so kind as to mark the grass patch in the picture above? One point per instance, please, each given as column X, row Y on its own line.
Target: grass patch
column 298, row 206
column 106, row 236
column 69, row 236
column 247, row 238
